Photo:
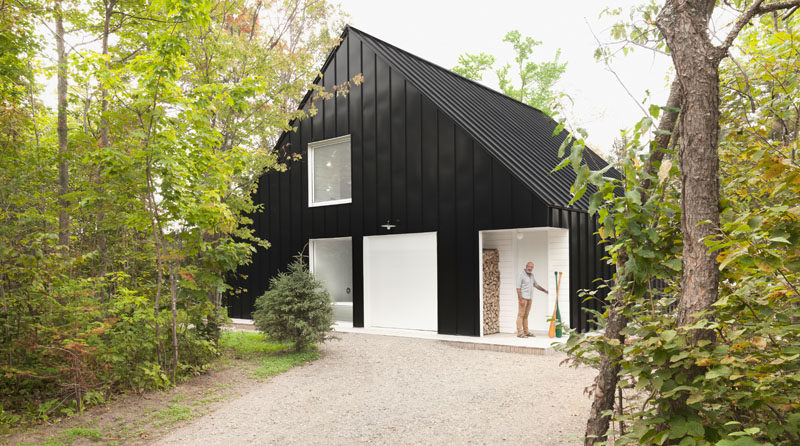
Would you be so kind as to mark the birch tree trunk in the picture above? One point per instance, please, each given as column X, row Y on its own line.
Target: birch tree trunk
column 63, row 163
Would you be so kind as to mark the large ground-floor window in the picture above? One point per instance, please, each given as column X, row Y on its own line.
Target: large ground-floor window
column 331, row 260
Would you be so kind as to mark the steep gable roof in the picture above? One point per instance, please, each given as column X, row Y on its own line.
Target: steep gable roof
column 519, row 136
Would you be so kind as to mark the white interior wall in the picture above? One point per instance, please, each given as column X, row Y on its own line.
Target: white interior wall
column 532, row 247
column 558, row 255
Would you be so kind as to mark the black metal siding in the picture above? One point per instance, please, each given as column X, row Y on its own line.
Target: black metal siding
column 413, row 165
column 587, row 268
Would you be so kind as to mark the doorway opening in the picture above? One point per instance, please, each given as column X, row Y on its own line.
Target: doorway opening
column 331, row 261
column 503, row 255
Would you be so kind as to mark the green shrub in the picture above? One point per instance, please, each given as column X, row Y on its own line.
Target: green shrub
column 296, row 309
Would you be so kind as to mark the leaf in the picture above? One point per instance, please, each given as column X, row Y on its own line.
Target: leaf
column 705, row 362
column 741, row 441
column 718, row 372
column 695, row 428
column 759, row 342
column 674, row 263
column 663, row 171
column 780, row 240
column 755, row 222
column 634, row 196
column 695, row 398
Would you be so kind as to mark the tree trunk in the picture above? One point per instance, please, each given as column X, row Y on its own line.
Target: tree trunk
column 151, row 205
column 173, row 294
column 63, row 164
column 684, row 25
column 102, row 240
column 607, row 378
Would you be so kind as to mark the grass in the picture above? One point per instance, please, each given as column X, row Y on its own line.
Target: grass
column 68, row 436
column 272, row 356
column 172, row 414
column 250, row 344
column 272, row 365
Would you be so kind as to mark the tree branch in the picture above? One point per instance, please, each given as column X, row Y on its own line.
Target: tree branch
column 777, row 6
column 756, row 8
column 743, row 20
column 608, row 67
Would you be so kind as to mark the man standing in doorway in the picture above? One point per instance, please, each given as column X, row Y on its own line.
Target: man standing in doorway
column 525, row 285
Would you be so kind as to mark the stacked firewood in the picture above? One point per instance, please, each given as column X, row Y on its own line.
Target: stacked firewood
column 491, row 291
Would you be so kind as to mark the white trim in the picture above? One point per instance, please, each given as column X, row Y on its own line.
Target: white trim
column 329, row 203
column 480, row 283
column 317, row 144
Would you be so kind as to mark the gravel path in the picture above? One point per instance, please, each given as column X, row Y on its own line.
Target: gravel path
column 369, row 389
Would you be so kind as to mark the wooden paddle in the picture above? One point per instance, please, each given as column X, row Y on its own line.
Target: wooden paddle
column 552, row 331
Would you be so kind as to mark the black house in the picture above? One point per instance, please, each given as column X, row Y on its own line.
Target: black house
column 405, row 182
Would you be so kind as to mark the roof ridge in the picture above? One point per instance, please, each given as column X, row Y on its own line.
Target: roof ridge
column 448, row 71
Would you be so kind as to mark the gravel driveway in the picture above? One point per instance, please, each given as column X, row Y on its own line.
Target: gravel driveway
column 369, row 389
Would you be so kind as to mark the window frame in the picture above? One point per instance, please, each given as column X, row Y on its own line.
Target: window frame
column 311, row 148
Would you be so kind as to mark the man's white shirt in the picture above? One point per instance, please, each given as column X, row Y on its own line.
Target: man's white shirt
column 526, row 283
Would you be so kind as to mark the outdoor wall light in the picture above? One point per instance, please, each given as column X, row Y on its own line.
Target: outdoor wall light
column 388, row 225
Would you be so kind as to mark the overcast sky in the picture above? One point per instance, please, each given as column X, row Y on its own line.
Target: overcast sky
column 439, row 31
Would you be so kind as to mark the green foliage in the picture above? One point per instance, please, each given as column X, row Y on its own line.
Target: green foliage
column 529, row 82
column 472, row 66
column 250, row 345
column 173, row 413
column 75, row 433
column 741, row 387
column 169, row 131
column 273, row 365
column 296, row 308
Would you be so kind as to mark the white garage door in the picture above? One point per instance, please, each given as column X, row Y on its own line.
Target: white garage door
column 400, row 281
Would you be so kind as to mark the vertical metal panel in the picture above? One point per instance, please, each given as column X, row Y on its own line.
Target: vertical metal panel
column 331, row 221
column 356, row 130
column 358, row 281
column 383, row 147
column 482, row 173
column 296, row 194
column 446, row 238
column 369, row 146
column 521, row 205
column 397, row 102
column 328, row 107
column 306, row 135
column 413, row 132
column 342, row 76
column 285, row 218
column 317, row 213
column 501, row 197
column 466, row 245
column 583, row 228
column 430, row 166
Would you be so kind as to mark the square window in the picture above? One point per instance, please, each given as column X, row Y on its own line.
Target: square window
column 329, row 172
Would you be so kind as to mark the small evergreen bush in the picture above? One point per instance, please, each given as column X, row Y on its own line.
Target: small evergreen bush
column 296, row 308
